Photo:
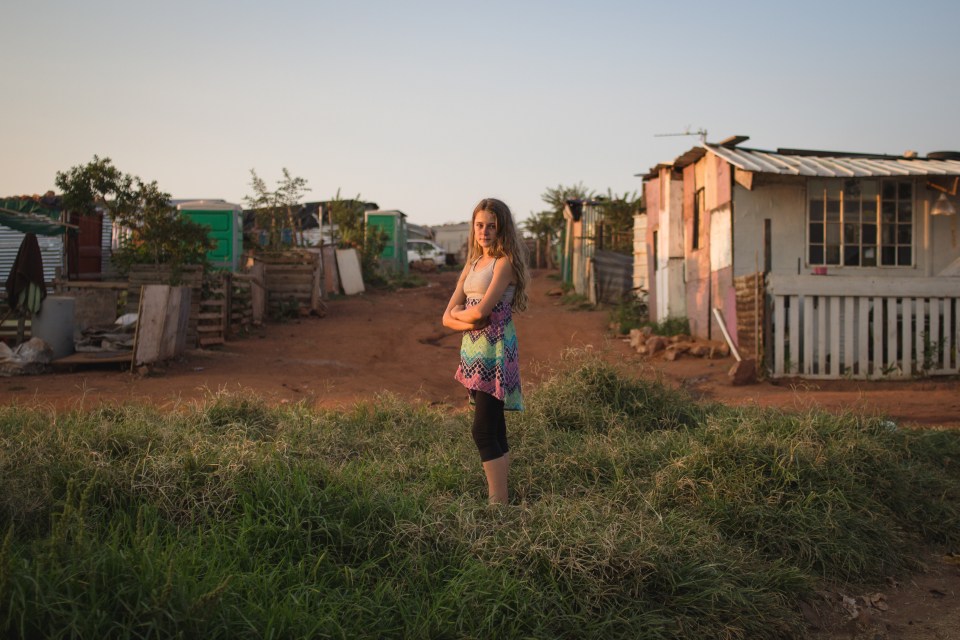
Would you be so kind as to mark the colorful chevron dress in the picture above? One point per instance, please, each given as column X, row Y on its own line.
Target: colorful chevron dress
column 488, row 357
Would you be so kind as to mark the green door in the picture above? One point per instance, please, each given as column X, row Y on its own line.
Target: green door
column 221, row 228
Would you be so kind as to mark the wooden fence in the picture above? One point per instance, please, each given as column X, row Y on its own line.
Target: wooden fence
column 837, row 326
column 293, row 281
column 189, row 276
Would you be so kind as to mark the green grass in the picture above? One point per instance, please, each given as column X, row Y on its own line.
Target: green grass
column 637, row 513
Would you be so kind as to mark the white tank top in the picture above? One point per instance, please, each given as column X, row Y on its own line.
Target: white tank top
column 477, row 282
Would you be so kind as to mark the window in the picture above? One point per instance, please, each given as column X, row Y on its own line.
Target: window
column 697, row 209
column 860, row 223
column 656, row 264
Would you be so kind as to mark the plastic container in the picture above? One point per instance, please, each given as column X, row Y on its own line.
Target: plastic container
column 54, row 324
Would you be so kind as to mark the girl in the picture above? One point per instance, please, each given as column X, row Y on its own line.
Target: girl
column 493, row 283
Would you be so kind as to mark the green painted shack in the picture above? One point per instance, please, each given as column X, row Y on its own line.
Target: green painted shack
column 225, row 221
column 393, row 223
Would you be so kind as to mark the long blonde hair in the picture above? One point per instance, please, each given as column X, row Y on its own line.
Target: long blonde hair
column 509, row 243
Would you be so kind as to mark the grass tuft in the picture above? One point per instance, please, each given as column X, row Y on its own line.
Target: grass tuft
column 637, row 513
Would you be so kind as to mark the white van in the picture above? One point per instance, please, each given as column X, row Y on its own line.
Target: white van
column 425, row 250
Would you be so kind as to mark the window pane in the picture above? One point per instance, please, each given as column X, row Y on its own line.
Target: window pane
column 904, row 234
column 833, row 233
column 816, row 254
column 816, row 233
column 888, row 211
column 869, row 256
column 851, row 233
column 816, row 210
column 903, row 256
column 869, row 234
column 870, row 210
column 851, row 255
column 905, row 211
column 888, row 255
column 888, row 234
column 889, row 190
column 869, row 190
column 906, row 191
column 851, row 212
column 833, row 211
column 833, row 254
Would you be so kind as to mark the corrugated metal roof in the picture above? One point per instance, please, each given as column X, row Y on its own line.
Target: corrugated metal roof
column 832, row 165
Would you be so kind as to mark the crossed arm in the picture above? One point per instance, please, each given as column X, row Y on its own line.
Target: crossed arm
column 459, row 318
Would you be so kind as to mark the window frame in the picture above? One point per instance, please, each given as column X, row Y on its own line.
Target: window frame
column 887, row 213
column 698, row 199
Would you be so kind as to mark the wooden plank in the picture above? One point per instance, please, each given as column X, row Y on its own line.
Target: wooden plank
column 822, row 331
column 304, row 287
column 778, row 341
column 182, row 318
column 849, row 341
column 92, row 284
column 808, row 335
column 947, row 335
column 152, row 313
column 919, row 330
column 316, row 285
column 863, row 338
column 891, row 360
column 906, row 337
column 956, row 333
column 834, row 337
column 876, row 326
column 168, row 337
column 861, row 286
column 794, row 334
column 95, row 357
column 932, row 343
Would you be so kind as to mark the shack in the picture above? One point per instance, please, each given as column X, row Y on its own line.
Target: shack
column 825, row 263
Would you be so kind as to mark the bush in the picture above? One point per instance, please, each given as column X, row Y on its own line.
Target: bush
column 631, row 313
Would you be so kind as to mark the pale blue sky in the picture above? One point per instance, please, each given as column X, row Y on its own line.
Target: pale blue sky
column 429, row 106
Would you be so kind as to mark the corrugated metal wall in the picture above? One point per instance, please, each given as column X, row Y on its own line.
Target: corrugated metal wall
column 613, row 273
column 51, row 250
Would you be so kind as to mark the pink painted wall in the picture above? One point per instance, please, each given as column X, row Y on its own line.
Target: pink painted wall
column 705, row 287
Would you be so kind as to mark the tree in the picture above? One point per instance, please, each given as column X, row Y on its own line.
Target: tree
column 155, row 232
column 544, row 230
column 618, row 213
column 275, row 209
column 347, row 217
column 557, row 199
column 351, row 231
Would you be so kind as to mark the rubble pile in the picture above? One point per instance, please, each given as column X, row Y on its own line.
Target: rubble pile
column 673, row 347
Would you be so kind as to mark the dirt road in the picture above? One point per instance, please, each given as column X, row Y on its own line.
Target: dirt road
column 394, row 342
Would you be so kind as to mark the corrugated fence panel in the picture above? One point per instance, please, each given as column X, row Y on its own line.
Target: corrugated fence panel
column 51, row 250
column 614, row 276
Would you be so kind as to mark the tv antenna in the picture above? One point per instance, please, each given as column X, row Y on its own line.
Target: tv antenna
column 699, row 132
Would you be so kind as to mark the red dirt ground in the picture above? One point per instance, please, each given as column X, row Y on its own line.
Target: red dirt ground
column 394, row 342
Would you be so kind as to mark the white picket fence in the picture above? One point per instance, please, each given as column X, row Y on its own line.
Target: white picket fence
column 843, row 327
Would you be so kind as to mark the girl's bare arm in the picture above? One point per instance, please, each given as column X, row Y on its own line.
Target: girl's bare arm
column 457, row 301
column 502, row 277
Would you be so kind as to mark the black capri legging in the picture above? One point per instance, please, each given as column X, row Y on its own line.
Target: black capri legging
column 489, row 426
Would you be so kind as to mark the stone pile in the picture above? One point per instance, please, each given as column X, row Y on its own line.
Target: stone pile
column 673, row 347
